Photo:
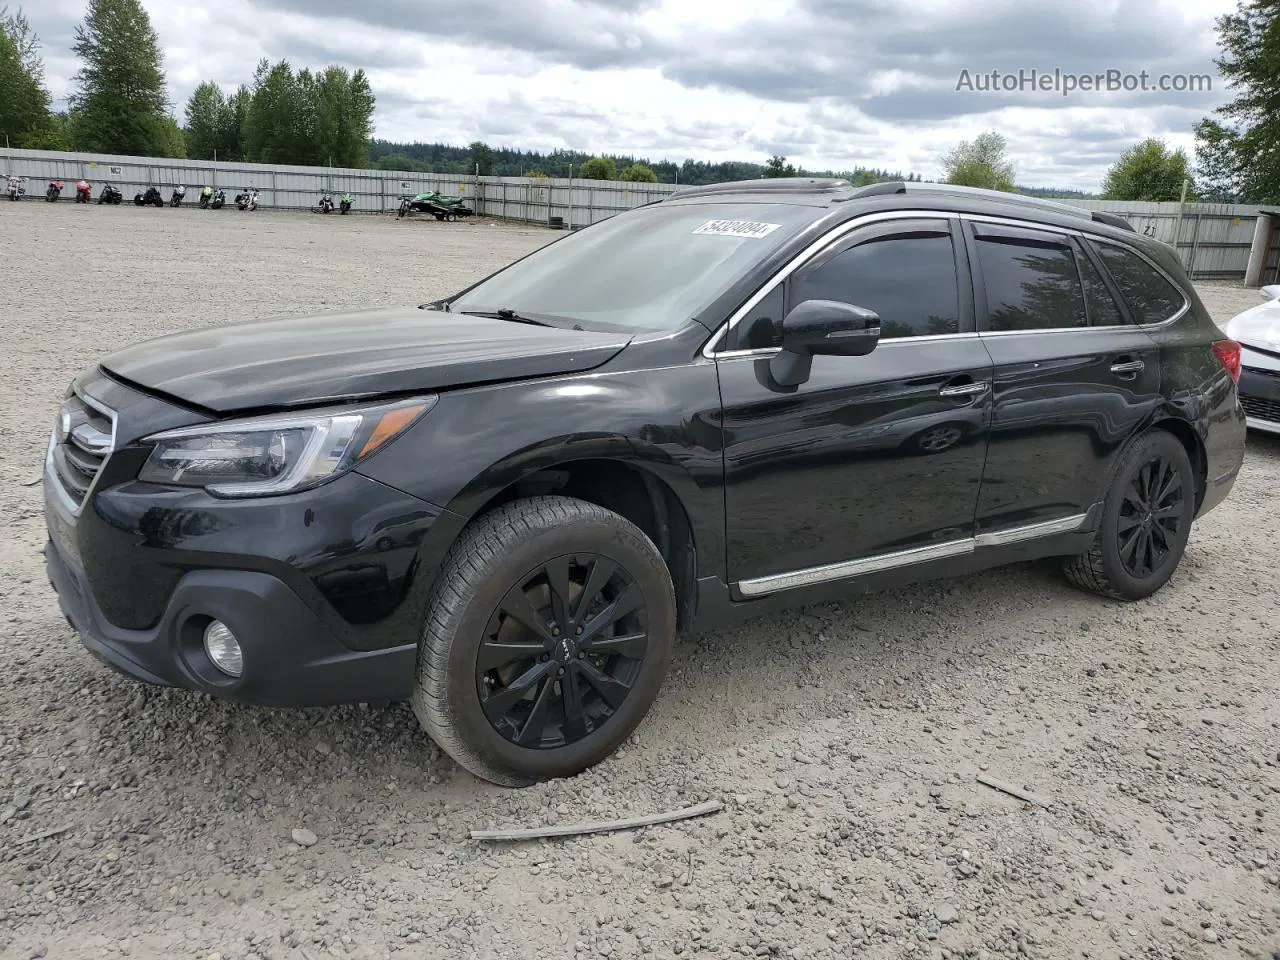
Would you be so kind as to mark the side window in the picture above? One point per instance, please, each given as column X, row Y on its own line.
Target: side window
column 1103, row 311
column 1030, row 284
column 1151, row 298
column 907, row 276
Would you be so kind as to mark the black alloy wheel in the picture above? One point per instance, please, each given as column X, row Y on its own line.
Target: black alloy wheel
column 562, row 650
column 1152, row 514
column 547, row 637
column 1146, row 521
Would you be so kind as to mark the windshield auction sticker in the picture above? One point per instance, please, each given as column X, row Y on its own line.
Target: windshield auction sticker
column 750, row 229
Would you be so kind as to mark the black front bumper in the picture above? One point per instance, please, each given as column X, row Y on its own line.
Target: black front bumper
column 290, row 657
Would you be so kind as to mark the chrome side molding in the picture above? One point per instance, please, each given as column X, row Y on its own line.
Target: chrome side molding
column 774, row 583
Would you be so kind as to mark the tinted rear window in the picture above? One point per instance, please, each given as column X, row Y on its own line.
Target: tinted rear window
column 1151, row 298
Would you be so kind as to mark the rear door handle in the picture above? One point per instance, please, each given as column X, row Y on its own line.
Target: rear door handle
column 1130, row 366
column 964, row 389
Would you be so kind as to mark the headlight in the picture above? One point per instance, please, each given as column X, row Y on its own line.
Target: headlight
column 265, row 455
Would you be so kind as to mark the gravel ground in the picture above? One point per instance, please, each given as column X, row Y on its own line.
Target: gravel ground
column 845, row 739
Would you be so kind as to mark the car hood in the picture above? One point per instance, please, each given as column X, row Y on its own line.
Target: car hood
column 1257, row 327
column 304, row 361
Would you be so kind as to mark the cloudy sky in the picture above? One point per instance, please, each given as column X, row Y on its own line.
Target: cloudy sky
column 827, row 83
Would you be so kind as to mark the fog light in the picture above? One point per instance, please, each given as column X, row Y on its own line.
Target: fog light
column 223, row 648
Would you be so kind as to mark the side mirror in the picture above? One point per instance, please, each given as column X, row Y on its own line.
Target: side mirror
column 822, row 327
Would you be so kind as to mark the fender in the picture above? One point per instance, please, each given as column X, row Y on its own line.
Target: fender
column 479, row 441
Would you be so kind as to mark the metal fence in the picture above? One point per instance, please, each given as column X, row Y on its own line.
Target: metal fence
column 1212, row 239
column 555, row 202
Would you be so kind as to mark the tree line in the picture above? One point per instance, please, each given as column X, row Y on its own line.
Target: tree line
column 120, row 105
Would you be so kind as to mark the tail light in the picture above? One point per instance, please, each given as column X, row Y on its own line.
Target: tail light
column 1228, row 352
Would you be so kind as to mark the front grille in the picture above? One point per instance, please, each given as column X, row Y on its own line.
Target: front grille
column 80, row 446
column 1260, row 408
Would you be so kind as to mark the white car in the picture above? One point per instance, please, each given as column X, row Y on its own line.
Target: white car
column 1258, row 332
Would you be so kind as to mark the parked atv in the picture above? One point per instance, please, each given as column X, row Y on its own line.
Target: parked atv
column 110, row 194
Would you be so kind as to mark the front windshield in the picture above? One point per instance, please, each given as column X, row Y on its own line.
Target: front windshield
column 651, row 268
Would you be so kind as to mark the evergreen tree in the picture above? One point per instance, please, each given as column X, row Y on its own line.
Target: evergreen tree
column 120, row 104
column 1239, row 155
column 211, row 130
column 24, row 103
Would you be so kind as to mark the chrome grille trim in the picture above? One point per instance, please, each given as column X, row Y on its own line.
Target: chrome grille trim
column 79, row 447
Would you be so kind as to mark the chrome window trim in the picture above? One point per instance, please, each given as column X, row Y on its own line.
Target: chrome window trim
column 878, row 563
column 844, row 229
column 760, row 352
column 818, row 246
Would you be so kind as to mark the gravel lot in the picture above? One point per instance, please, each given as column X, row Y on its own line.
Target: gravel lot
column 845, row 740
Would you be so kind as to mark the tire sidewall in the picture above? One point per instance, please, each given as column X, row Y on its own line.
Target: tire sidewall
column 642, row 561
column 1156, row 443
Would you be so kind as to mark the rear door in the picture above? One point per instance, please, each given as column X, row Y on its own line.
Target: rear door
column 1075, row 377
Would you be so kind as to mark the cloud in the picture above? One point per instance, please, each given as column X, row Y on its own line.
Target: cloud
column 828, row 83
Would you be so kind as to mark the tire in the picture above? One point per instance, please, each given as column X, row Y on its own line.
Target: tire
column 1124, row 574
column 493, row 563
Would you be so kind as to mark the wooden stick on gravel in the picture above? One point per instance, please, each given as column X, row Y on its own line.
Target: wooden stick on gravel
column 600, row 826
column 43, row 836
column 1012, row 791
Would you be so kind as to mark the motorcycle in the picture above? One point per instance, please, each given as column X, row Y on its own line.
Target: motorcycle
column 152, row 198
column 205, row 195
column 110, row 194
column 326, row 203
column 84, row 191
column 345, row 205
column 248, row 199
column 178, row 193
column 54, row 191
column 17, row 188
column 218, row 200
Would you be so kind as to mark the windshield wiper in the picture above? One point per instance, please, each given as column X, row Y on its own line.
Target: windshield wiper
column 506, row 313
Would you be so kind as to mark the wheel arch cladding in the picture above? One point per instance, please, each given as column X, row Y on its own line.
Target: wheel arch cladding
column 1185, row 434
column 630, row 488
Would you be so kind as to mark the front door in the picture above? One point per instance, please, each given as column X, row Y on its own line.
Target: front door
column 1075, row 377
column 877, row 457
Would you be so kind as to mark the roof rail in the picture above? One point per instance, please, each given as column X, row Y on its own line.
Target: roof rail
column 1000, row 196
column 765, row 185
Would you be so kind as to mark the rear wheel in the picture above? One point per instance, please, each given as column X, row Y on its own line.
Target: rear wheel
column 1146, row 521
column 547, row 639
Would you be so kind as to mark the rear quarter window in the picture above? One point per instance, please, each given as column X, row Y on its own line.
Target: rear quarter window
column 1151, row 297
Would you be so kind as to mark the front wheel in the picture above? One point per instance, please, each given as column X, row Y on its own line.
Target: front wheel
column 546, row 641
column 1146, row 520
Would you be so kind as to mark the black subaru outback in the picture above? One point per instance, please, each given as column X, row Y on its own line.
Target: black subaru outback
column 504, row 505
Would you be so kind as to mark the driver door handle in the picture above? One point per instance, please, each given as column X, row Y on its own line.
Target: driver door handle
column 1130, row 366
column 964, row 389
